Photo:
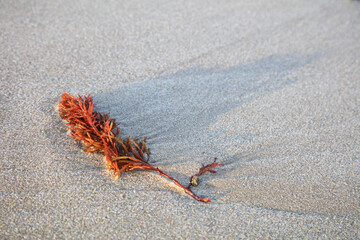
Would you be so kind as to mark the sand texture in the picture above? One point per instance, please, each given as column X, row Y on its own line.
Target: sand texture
column 270, row 88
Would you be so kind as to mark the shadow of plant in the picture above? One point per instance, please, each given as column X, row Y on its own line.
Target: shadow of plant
column 175, row 111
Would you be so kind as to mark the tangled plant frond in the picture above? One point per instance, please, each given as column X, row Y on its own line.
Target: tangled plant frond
column 100, row 133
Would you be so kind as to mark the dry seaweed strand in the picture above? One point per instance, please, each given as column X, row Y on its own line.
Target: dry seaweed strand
column 100, row 133
column 203, row 169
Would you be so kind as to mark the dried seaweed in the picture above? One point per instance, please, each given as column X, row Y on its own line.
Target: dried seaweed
column 207, row 168
column 100, row 133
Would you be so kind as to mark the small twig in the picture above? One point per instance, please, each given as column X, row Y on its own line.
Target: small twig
column 203, row 169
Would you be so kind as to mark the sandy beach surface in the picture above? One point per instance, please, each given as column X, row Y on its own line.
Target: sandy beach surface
column 270, row 88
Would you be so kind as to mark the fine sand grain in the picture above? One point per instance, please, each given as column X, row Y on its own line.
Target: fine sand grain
column 270, row 88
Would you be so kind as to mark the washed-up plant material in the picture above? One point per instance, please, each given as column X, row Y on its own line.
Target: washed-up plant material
column 100, row 133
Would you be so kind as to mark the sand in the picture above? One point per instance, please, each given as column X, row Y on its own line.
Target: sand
column 270, row 88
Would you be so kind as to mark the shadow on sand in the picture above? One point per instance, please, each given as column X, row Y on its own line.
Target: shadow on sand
column 180, row 108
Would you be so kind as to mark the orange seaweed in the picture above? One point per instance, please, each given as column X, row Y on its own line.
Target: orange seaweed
column 100, row 133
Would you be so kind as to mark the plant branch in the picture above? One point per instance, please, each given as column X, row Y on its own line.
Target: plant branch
column 98, row 132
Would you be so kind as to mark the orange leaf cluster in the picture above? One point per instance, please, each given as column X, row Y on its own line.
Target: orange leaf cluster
column 98, row 132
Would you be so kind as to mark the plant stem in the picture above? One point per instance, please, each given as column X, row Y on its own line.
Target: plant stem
column 187, row 190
